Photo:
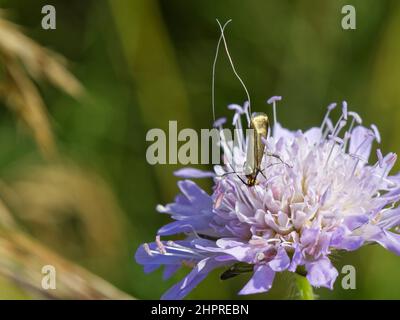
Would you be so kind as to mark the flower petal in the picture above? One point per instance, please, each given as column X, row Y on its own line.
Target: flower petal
column 261, row 281
column 321, row 273
column 386, row 239
column 361, row 142
column 170, row 270
column 342, row 238
column 297, row 259
column 313, row 135
column 193, row 173
column 193, row 210
column 280, row 132
column 281, row 261
column 199, row 272
column 390, row 219
column 355, row 221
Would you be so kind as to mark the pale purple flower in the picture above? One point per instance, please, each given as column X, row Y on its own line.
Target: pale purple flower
column 322, row 196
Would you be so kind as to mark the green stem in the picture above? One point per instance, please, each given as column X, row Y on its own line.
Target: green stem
column 304, row 287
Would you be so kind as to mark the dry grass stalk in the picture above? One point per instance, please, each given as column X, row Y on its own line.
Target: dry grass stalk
column 70, row 208
column 22, row 259
column 23, row 61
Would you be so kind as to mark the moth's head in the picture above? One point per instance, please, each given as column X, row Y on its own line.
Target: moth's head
column 251, row 180
column 259, row 121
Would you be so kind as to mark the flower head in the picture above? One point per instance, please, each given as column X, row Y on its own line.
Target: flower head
column 316, row 194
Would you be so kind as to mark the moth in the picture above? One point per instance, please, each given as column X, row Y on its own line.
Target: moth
column 259, row 125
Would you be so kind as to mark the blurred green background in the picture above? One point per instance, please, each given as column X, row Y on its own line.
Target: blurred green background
column 144, row 62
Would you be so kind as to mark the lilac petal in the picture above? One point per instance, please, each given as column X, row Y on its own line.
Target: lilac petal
column 240, row 253
column 170, row 270
column 392, row 241
column 388, row 162
column 193, row 209
column 383, row 201
column 182, row 227
column 281, row 261
column 390, row 197
column 192, row 201
column 390, row 159
column 380, row 157
column 199, row 272
column 309, row 236
column 342, row 239
column 351, row 243
column 387, row 239
column 193, row 192
column 321, row 273
column 149, row 268
column 271, row 222
column 361, row 142
column 313, row 135
column 261, row 281
column 237, row 252
column 354, row 222
column 152, row 256
column 226, row 243
column 321, row 247
column 297, row 259
column 280, row 132
column 203, row 242
column 225, row 258
column 193, row 173
column 390, row 219
column 273, row 99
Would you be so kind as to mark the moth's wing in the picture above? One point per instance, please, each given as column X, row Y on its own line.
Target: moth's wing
column 260, row 123
column 259, row 149
column 250, row 163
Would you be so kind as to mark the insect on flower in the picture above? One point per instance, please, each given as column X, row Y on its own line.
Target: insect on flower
column 259, row 124
column 284, row 217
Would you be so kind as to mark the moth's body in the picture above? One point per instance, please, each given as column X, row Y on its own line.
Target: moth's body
column 258, row 122
column 255, row 147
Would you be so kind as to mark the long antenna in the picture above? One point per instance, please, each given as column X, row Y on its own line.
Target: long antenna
column 231, row 62
column 213, row 69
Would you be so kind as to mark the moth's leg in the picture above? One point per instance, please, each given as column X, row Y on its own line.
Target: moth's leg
column 269, row 166
column 277, row 157
column 227, row 173
column 262, row 173
column 273, row 164
column 243, row 180
column 234, row 172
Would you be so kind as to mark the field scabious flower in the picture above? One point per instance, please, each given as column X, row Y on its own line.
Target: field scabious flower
column 319, row 197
